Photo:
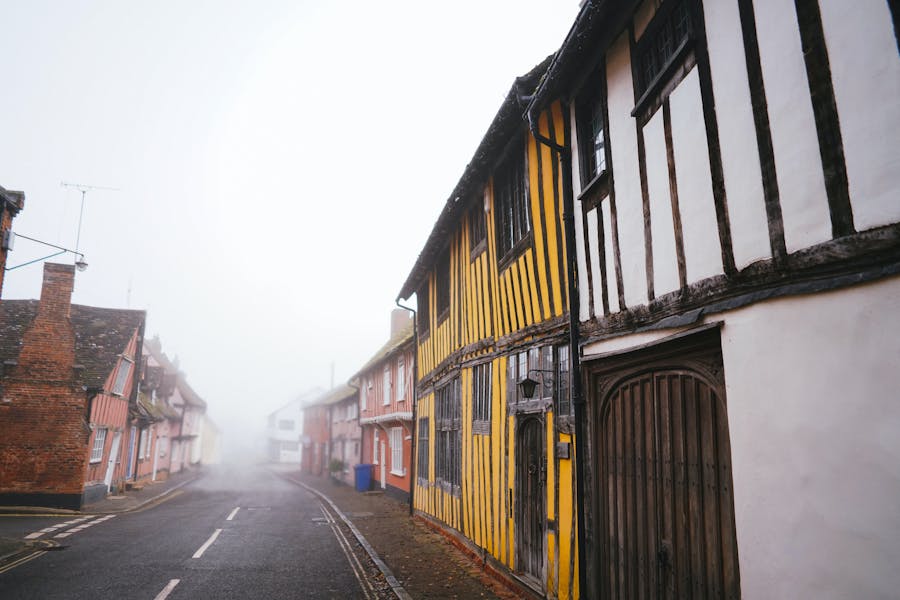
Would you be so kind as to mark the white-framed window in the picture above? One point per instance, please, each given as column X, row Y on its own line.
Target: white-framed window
column 149, row 441
column 396, row 437
column 401, row 379
column 99, row 441
column 364, row 395
column 375, row 446
column 122, row 376
column 351, row 412
column 387, row 386
column 286, row 424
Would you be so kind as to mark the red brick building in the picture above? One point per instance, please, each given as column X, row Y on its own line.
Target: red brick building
column 10, row 205
column 67, row 382
column 386, row 401
column 316, row 439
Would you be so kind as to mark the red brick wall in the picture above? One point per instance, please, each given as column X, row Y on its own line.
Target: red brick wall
column 43, row 435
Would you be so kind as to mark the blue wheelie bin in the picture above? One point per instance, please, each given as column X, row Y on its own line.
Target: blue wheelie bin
column 363, row 477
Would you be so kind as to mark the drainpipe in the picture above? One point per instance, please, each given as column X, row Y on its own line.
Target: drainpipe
column 415, row 409
column 565, row 159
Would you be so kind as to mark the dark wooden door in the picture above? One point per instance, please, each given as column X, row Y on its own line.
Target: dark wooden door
column 668, row 510
column 530, row 476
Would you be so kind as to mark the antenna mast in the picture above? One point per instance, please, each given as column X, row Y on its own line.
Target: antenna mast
column 84, row 189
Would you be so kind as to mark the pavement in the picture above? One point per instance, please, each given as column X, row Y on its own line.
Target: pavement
column 424, row 563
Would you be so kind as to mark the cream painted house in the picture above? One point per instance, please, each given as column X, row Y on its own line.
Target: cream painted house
column 732, row 170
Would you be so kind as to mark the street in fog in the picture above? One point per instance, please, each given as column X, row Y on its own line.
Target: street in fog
column 236, row 533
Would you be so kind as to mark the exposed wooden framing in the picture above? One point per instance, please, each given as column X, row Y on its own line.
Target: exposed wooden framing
column 550, row 307
column 673, row 192
column 837, row 263
column 642, row 171
column 560, row 246
column 712, row 137
column 763, row 131
column 645, row 202
column 894, row 5
column 602, row 250
column 587, row 261
column 821, row 90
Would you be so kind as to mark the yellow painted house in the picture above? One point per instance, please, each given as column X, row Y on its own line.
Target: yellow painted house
column 495, row 452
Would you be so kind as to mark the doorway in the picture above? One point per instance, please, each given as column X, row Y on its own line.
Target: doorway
column 113, row 457
column 663, row 495
column 530, row 492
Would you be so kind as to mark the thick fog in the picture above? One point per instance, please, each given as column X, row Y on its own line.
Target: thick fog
column 277, row 167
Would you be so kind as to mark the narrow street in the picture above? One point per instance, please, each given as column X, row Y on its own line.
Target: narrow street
column 233, row 534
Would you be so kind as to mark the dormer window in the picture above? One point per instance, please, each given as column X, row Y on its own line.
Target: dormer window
column 122, row 374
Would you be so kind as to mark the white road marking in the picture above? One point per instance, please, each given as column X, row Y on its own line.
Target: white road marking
column 81, row 527
column 167, row 590
column 57, row 527
column 208, row 543
column 234, row 512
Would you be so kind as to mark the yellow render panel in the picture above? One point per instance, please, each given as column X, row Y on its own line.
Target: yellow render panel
column 538, row 227
column 513, row 278
column 559, row 121
column 566, row 522
column 496, row 457
column 548, row 162
column 532, row 283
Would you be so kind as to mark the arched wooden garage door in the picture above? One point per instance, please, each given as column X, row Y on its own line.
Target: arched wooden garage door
column 666, row 504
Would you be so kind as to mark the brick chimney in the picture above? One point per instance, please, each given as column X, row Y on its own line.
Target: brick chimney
column 56, row 292
column 399, row 319
column 48, row 345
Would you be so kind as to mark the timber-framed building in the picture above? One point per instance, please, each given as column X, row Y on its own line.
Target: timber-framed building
column 493, row 465
column 735, row 167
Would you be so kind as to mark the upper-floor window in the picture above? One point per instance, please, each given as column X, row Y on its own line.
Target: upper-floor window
column 481, row 398
column 351, row 412
column 364, row 394
column 387, row 386
column 122, row 374
column 401, row 379
column 477, row 231
column 442, row 298
column 511, row 203
column 422, row 314
column 663, row 46
column 286, row 424
column 563, row 387
column 591, row 135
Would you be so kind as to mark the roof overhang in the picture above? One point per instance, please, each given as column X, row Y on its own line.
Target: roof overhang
column 394, row 416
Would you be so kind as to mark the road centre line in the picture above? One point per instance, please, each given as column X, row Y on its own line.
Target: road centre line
column 234, row 512
column 167, row 590
column 208, row 543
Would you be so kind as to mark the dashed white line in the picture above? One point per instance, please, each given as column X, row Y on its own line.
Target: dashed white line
column 208, row 543
column 234, row 512
column 167, row 590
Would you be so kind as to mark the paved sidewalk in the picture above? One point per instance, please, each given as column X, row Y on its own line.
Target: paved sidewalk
column 425, row 563
column 151, row 492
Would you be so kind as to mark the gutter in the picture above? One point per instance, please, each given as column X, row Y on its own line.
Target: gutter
column 415, row 408
column 565, row 158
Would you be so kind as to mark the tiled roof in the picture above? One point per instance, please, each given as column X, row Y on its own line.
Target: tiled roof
column 101, row 334
column 397, row 341
column 336, row 395
column 154, row 347
column 507, row 122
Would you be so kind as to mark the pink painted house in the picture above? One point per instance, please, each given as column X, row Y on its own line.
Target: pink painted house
column 386, row 405
column 345, row 433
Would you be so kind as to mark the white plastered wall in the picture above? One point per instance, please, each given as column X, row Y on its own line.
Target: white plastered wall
column 813, row 393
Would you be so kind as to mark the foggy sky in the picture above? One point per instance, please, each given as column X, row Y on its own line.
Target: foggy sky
column 280, row 164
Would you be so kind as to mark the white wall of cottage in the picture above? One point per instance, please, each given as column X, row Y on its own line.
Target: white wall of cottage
column 813, row 410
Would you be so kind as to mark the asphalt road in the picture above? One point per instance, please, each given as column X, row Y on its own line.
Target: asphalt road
column 236, row 533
